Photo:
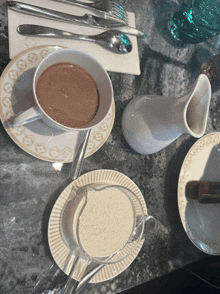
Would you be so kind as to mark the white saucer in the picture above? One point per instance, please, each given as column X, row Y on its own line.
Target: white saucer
column 58, row 248
column 201, row 221
column 36, row 138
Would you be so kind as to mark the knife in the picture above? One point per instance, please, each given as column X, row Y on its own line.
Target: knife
column 87, row 19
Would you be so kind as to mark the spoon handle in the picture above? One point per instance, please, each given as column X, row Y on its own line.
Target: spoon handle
column 87, row 277
column 42, row 31
column 79, row 155
column 71, row 284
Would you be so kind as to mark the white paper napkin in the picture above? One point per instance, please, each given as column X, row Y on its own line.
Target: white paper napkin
column 123, row 63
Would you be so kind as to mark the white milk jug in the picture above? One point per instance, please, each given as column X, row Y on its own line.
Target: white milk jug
column 150, row 123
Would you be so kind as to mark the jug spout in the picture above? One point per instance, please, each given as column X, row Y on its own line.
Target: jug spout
column 193, row 109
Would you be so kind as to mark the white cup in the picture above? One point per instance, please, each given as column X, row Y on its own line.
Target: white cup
column 93, row 67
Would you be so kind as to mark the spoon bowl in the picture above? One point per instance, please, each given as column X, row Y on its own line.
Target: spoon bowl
column 113, row 40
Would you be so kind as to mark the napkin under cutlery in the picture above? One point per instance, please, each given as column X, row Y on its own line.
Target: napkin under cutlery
column 128, row 63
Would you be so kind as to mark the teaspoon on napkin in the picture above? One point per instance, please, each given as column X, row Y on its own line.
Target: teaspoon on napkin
column 112, row 40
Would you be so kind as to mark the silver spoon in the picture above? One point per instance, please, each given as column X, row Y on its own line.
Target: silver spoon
column 113, row 40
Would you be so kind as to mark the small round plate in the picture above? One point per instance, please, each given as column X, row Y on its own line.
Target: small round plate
column 201, row 221
column 57, row 245
column 36, row 138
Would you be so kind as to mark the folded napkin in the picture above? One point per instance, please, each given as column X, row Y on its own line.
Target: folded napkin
column 123, row 63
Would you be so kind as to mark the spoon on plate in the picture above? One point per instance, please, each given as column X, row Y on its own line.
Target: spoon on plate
column 113, row 40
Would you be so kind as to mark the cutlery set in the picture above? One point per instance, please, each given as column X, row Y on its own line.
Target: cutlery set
column 106, row 15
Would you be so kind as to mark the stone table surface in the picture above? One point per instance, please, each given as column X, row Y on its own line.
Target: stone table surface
column 29, row 186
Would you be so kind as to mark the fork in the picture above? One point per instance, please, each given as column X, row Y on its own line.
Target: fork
column 108, row 6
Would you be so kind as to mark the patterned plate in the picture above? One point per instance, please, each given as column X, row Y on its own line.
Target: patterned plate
column 59, row 249
column 201, row 221
column 36, row 138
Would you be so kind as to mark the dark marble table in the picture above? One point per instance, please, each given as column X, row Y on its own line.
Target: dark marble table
column 29, row 186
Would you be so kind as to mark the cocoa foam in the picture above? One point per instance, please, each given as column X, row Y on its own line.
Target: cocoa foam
column 68, row 94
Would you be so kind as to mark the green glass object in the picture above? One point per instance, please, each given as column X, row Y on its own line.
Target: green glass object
column 196, row 22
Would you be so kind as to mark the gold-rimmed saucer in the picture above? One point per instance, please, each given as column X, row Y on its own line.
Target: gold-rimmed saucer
column 36, row 138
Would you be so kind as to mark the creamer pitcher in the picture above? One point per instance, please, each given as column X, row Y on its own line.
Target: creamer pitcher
column 150, row 123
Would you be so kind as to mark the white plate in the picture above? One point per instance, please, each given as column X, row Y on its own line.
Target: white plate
column 37, row 138
column 201, row 221
column 58, row 248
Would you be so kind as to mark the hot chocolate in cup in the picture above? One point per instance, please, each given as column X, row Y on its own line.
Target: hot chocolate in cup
column 72, row 91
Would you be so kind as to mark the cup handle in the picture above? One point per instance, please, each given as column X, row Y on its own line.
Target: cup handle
column 27, row 116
